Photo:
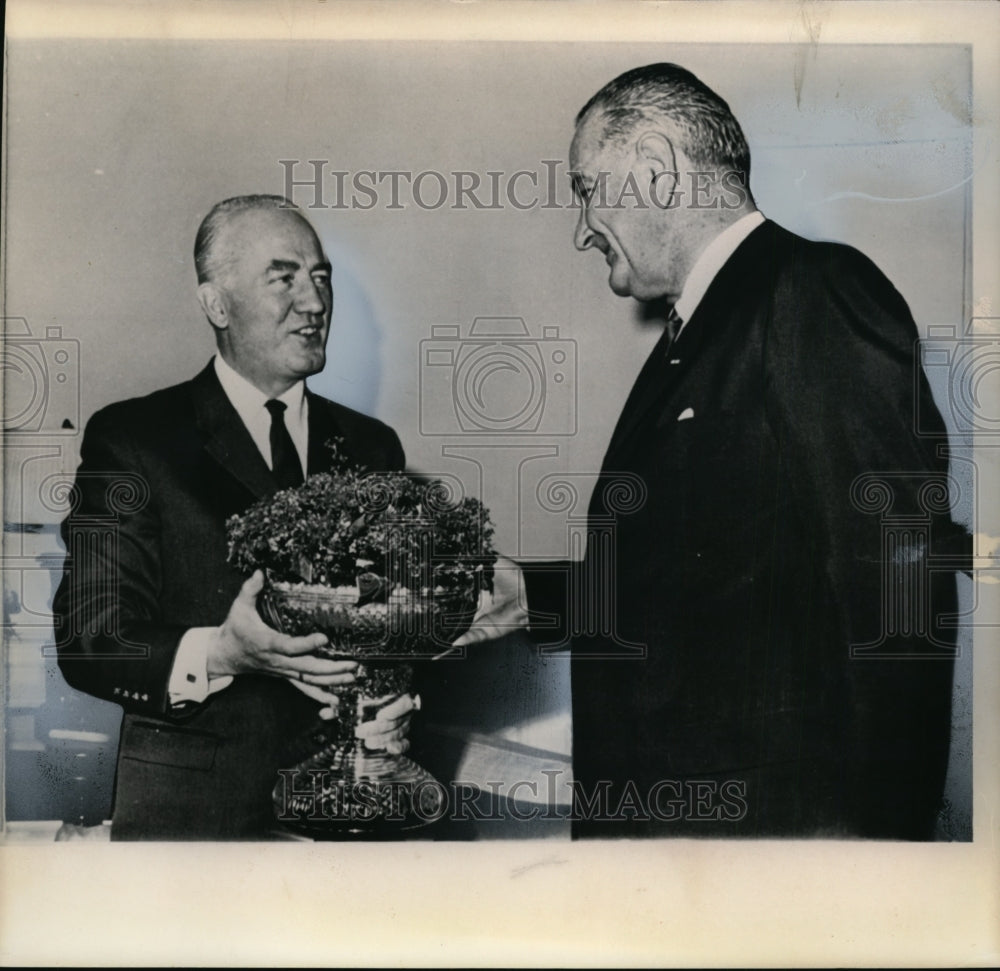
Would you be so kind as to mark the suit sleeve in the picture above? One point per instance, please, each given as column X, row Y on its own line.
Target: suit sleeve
column 112, row 641
column 841, row 377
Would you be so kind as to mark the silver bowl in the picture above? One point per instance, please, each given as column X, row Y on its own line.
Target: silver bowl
column 345, row 788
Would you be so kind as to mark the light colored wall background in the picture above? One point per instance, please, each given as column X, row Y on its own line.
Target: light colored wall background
column 117, row 149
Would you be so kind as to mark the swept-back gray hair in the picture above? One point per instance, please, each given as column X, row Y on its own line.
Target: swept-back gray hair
column 208, row 232
column 709, row 134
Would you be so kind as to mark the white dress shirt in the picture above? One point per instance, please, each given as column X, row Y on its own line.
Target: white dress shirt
column 249, row 402
column 189, row 680
column 712, row 259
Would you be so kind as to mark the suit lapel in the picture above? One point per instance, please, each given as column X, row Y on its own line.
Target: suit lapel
column 226, row 437
column 658, row 376
column 229, row 443
column 647, row 388
column 323, row 427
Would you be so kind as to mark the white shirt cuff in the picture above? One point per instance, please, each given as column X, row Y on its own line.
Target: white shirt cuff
column 189, row 681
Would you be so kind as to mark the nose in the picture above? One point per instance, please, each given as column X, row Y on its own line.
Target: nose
column 583, row 236
column 311, row 297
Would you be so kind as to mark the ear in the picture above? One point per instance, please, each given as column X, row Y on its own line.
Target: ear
column 658, row 160
column 657, row 151
column 213, row 303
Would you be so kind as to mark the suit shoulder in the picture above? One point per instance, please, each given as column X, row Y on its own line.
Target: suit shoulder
column 143, row 411
column 831, row 265
column 137, row 428
column 825, row 282
column 822, row 257
column 832, row 314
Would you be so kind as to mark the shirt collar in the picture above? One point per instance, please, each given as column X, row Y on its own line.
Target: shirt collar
column 712, row 259
column 248, row 399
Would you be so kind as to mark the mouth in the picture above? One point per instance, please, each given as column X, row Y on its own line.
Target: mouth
column 308, row 332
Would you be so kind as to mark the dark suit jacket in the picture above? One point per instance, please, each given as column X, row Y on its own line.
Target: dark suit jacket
column 146, row 560
column 761, row 555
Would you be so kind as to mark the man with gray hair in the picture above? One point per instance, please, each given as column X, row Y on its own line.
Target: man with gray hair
column 777, row 669
column 157, row 621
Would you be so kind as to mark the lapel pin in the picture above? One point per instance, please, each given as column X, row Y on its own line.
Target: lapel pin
column 685, row 414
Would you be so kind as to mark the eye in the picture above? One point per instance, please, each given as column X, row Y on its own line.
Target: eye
column 583, row 192
column 321, row 280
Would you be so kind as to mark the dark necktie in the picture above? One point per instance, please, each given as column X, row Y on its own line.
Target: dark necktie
column 285, row 465
column 674, row 324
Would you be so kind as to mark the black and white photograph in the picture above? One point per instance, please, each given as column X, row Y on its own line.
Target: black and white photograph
column 500, row 483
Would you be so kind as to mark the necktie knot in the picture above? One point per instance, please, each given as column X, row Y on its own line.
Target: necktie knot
column 277, row 409
column 674, row 323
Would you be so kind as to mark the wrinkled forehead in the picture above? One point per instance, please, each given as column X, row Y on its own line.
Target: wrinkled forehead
column 586, row 141
column 588, row 150
column 269, row 234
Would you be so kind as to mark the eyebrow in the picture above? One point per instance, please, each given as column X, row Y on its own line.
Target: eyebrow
column 276, row 265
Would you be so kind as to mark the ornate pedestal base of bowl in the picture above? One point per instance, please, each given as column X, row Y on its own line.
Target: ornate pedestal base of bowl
column 344, row 787
column 347, row 790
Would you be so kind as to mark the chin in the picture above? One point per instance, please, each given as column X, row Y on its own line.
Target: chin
column 644, row 293
column 310, row 366
column 621, row 288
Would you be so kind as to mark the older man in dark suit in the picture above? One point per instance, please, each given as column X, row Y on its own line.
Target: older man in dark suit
column 151, row 616
column 778, row 666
